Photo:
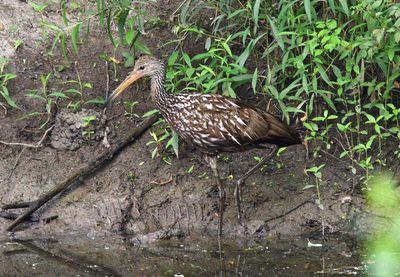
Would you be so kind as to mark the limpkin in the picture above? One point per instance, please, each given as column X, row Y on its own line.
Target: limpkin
column 213, row 123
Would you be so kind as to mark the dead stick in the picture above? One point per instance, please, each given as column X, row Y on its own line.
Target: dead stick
column 37, row 145
column 82, row 171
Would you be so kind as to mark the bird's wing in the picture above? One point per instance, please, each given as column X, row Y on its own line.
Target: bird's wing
column 232, row 123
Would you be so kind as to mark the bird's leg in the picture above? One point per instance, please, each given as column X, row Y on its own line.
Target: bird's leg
column 242, row 179
column 212, row 161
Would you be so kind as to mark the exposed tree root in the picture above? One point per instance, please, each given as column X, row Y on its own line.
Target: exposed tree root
column 78, row 175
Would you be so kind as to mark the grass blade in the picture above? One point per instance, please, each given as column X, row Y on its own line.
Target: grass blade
column 109, row 27
column 254, row 81
column 121, row 25
column 276, row 34
column 64, row 12
column 74, row 37
column 307, row 7
column 345, row 7
column 256, row 10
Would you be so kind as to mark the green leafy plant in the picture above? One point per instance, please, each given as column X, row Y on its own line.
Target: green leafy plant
column 88, row 127
column 316, row 171
column 382, row 244
column 131, row 105
column 48, row 98
column 37, row 7
column 4, row 78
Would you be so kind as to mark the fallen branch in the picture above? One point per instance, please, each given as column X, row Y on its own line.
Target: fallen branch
column 288, row 212
column 78, row 175
column 37, row 145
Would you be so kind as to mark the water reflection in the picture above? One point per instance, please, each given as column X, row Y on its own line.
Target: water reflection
column 116, row 256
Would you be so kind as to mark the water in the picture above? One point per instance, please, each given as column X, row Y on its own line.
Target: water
column 116, row 256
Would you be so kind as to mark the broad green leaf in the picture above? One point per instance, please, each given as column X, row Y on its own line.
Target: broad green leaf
column 345, row 7
column 142, row 48
column 307, row 7
column 174, row 142
column 227, row 48
column 172, row 59
column 129, row 36
column 74, row 37
column 256, row 10
column 100, row 11
column 150, row 113
column 58, row 94
column 64, row 12
column 390, row 53
column 121, row 25
column 276, row 34
column 187, row 59
column 323, row 74
column 109, row 32
column 327, row 100
column 140, row 24
column 4, row 92
column 254, row 81
column 96, row 101
column 64, row 46
column 72, row 90
column 242, row 78
column 235, row 13
column 332, row 5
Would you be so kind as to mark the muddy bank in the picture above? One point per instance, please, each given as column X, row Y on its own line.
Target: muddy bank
column 135, row 194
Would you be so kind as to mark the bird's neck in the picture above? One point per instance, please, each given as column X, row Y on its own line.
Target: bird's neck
column 158, row 93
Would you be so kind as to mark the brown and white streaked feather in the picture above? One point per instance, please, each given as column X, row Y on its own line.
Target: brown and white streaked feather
column 215, row 123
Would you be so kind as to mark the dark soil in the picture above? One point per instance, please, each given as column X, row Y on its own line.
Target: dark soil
column 130, row 194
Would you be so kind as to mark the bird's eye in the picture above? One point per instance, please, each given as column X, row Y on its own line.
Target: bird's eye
column 141, row 67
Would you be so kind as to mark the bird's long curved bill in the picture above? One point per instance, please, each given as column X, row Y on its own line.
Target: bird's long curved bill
column 122, row 87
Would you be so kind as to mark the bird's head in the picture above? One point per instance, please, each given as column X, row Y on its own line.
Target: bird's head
column 145, row 66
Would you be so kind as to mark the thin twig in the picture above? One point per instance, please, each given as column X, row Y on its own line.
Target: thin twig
column 177, row 9
column 37, row 145
column 288, row 212
column 162, row 183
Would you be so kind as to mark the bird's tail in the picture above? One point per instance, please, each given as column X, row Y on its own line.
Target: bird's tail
column 282, row 134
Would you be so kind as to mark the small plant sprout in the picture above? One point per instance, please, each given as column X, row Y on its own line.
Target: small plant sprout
column 316, row 171
column 17, row 44
column 88, row 126
column 324, row 134
column 131, row 176
column 49, row 99
column 190, row 169
column 131, row 105
column 157, row 140
column 37, row 7
column 4, row 78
